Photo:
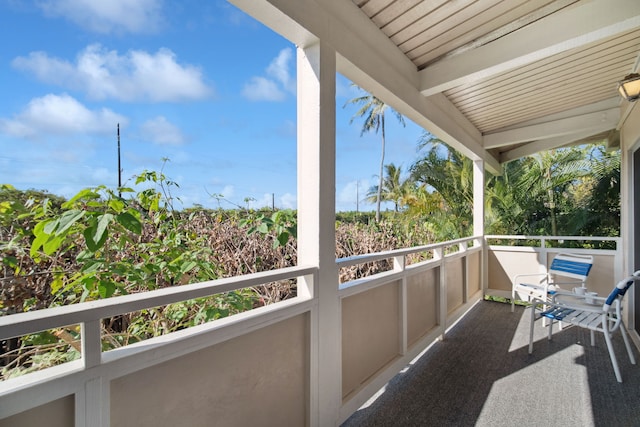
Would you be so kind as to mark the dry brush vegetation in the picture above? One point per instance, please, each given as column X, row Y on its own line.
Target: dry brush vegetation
column 200, row 245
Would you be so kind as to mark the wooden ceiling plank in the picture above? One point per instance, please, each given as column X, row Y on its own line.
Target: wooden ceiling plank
column 628, row 42
column 438, row 16
column 546, row 144
column 517, row 16
column 468, row 32
column 533, row 112
column 373, row 7
column 539, row 105
column 560, row 32
column 434, row 36
column 585, row 64
column 411, row 16
column 391, row 13
column 552, row 129
column 536, row 108
column 548, row 93
column 514, row 87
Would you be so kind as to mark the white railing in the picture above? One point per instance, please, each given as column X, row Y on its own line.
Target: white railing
column 544, row 239
column 397, row 327
column 537, row 252
column 410, row 307
column 38, row 388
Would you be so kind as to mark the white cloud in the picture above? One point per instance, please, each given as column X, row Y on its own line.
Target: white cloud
column 111, row 16
column 278, row 82
column 228, row 191
column 352, row 196
column 288, row 201
column 104, row 74
column 264, row 202
column 160, row 131
column 287, row 129
column 262, row 89
column 60, row 115
column 279, row 70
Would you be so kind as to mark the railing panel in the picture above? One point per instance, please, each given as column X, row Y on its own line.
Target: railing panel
column 390, row 317
column 59, row 413
column 455, row 283
column 474, row 270
column 370, row 334
column 505, row 263
column 422, row 308
column 259, row 377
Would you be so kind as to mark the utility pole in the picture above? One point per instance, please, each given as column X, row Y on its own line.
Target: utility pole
column 273, row 202
column 119, row 168
column 357, row 196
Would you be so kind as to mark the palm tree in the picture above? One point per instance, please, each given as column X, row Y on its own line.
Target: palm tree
column 394, row 189
column 373, row 110
column 451, row 175
column 548, row 176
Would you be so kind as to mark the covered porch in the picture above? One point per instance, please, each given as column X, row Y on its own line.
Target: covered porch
column 496, row 81
column 482, row 375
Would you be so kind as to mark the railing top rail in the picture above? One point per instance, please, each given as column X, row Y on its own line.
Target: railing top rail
column 521, row 237
column 35, row 321
column 377, row 256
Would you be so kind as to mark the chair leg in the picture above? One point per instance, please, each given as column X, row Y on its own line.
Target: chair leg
column 550, row 328
column 625, row 337
column 593, row 338
column 533, row 320
column 513, row 300
column 614, row 361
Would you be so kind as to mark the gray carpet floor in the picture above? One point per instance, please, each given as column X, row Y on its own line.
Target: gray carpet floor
column 482, row 375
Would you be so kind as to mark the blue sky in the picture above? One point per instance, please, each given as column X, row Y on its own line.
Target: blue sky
column 199, row 83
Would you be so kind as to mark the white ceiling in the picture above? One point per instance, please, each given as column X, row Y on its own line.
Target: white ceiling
column 495, row 79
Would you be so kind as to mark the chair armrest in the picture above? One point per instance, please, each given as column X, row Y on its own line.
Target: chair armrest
column 545, row 277
column 577, row 282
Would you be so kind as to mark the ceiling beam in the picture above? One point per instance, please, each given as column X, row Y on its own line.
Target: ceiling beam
column 568, row 29
column 544, row 145
column 606, row 119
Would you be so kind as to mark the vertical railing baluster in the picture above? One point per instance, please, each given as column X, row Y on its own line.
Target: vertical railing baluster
column 465, row 273
column 438, row 254
column 92, row 402
column 399, row 264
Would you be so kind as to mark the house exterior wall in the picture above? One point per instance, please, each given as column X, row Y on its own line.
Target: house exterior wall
column 629, row 225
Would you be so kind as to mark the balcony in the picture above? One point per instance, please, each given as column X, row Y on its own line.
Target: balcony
column 264, row 364
column 482, row 375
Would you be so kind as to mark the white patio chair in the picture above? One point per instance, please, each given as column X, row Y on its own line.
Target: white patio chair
column 585, row 311
column 566, row 269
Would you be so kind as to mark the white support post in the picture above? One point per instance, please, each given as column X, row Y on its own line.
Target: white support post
column 478, row 220
column 478, row 198
column 316, row 71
